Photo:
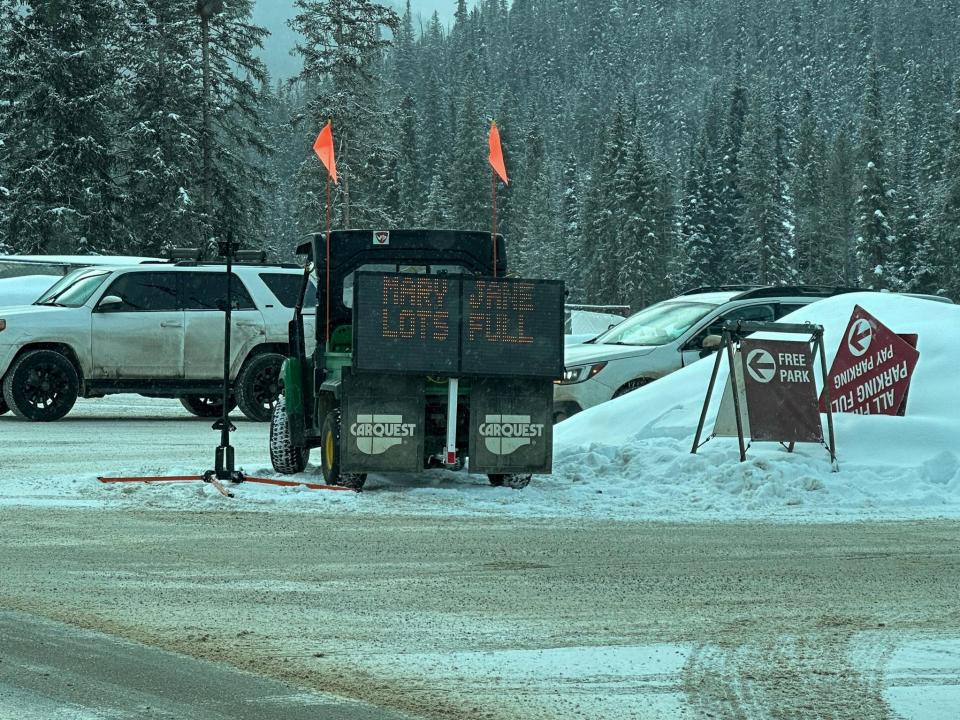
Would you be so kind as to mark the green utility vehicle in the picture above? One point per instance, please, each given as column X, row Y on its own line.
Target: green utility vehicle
column 430, row 357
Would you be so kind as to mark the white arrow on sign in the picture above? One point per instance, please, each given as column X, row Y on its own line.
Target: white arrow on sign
column 860, row 337
column 761, row 365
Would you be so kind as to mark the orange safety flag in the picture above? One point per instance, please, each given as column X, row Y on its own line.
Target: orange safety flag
column 496, row 154
column 323, row 147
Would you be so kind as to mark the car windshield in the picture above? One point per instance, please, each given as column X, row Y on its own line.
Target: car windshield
column 74, row 289
column 657, row 325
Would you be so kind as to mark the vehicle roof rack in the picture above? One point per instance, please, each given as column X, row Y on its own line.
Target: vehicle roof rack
column 193, row 257
column 718, row 288
column 237, row 263
column 801, row 290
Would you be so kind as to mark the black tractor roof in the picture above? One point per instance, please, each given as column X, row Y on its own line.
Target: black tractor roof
column 349, row 249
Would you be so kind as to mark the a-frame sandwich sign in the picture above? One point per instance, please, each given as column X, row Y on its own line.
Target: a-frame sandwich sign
column 771, row 392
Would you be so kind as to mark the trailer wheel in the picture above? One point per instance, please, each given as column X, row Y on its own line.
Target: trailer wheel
column 331, row 456
column 517, row 482
column 287, row 459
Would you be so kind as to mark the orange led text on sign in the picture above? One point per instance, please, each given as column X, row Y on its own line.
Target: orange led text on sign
column 414, row 307
column 497, row 312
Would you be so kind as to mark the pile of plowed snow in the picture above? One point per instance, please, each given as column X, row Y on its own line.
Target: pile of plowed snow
column 637, row 448
column 24, row 290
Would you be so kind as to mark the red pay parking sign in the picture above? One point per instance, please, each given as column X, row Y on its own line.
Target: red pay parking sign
column 872, row 369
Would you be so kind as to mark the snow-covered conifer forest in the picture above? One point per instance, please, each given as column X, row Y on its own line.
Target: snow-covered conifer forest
column 652, row 145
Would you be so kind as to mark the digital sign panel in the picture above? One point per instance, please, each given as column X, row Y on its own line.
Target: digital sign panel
column 406, row 323
column 455, row 325
column 512, row 327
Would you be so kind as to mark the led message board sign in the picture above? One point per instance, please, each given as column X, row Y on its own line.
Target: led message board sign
column 512, row 327
column 406, row 323
column 455, row 325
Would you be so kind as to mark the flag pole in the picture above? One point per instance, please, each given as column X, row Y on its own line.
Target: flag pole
column 327, row 265
column 493, row 175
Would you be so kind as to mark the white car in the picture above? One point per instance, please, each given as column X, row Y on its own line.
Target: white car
column 156, row 330
column 666, row 337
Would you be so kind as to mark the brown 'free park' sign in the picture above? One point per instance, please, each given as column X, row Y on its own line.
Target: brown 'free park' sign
column 781, row 391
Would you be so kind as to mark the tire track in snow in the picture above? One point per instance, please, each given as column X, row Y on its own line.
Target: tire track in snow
column 788, row 677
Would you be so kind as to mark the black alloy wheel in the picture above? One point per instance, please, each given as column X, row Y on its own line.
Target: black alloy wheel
column 259, row 386
column 205, row 406
column 41, row 386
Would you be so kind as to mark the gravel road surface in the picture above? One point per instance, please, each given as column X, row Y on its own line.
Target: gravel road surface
column 505, row 618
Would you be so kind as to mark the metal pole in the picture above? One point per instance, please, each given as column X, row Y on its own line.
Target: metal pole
column 327, row 266
column 818, row 334
column 453, row 396
column 225, row 468
column 728, row 341
column 706, row 403
column 494, row 191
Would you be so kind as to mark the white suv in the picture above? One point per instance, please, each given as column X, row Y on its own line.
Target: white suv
column 666, row 337
column 155, row 330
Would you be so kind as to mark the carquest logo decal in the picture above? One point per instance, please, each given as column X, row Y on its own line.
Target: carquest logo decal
column 376, row 434
column 505, row 434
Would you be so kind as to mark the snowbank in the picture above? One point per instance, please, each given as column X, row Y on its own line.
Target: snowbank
column 638, row 447
column 24, row 290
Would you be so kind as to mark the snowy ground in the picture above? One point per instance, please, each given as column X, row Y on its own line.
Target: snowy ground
column 517, row 619
column 647, row 478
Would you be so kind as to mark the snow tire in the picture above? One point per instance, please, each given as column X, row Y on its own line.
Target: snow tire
column 517, row 482
column 287, row 459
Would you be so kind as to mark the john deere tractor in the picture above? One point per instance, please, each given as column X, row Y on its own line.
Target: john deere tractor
column 426, row 355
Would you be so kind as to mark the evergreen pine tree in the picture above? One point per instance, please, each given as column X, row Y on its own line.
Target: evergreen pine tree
column 568, row 262
column 637, row 240
column 876, row 239
column 767, row 255
column 341, row 44
column 61, row 71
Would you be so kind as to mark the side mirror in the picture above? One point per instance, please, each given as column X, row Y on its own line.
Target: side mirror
column 712, row 342
column 110, row 302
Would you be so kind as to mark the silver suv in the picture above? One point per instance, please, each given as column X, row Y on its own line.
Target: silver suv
column 666, row 337
column 155, row 330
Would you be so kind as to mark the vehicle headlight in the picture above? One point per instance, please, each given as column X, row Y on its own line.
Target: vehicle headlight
column 580, row 373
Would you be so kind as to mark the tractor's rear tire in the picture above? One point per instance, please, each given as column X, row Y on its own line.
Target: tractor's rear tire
column 331, row 456
column 287, row 459
column 517, row 482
